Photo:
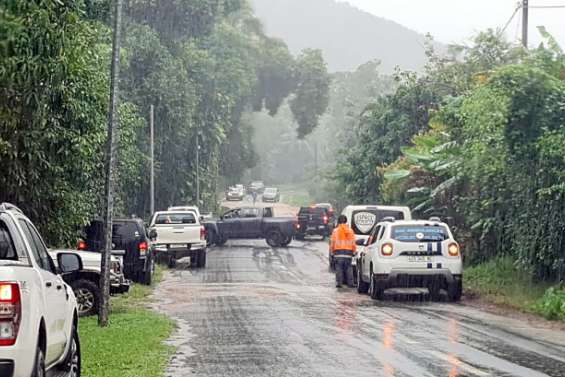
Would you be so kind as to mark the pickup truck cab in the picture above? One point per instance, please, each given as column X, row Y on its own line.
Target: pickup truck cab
column 38, row 310
column 254, row 223
column 408, row 253
column 179, row 234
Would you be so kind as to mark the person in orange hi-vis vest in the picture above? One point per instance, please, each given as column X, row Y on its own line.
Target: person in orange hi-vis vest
column 343, row 249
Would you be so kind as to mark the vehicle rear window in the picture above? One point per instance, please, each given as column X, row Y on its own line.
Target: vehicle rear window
column 7, row 249
column 312, row 211
column 417, row 233
column 364, row 220
column 175, row 218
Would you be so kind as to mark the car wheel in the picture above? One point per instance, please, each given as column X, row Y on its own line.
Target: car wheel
column 39, row 367
column 362, row 285
column 274, row 238
column 221, row 240
column 88, row 297
column 202, row 259
column 72, row 364
column 455, row 291
column 286, row 241
column 210, row 238
column 376, row 290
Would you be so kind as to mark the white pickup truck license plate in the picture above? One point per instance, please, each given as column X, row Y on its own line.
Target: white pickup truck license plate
column 419, row 258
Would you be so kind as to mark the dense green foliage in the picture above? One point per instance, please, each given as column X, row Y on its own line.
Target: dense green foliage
column 203, row 64
column 479, row 140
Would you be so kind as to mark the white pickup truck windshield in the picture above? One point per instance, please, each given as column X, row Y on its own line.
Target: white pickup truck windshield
column 175, row 218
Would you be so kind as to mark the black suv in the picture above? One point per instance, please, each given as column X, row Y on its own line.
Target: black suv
column 313, row 221
column 130, row 235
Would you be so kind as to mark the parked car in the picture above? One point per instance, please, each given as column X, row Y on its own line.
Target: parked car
column 256, row 186
column 271, row 194
column 179, row 234
column 313, row 221
column 254, row 223
column 362, row 219
column 86, row 282
column 410, row 253
column 128, row 234
column 39, row 313
column 235, row 194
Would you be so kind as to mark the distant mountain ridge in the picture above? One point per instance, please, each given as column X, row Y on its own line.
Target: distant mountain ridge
column 348, row 36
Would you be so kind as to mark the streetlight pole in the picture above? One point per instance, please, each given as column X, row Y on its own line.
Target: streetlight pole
column 152, row 162
column 198, row 169
column 525, row 9
column 112, row 144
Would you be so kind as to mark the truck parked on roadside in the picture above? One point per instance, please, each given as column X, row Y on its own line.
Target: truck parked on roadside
column 86, row 282
column 128, row 234
column 254, row 223
column 38, row 310
column 179, row 234
column 313, row 221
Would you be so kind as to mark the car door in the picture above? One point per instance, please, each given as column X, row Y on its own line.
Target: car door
column 56, row 297
column 370, row 249
column 229, row 223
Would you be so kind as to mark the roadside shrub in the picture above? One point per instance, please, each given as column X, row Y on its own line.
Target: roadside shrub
column 552, row 304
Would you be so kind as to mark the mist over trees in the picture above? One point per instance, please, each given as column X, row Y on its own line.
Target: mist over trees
column 202, row 64
column 347, row 36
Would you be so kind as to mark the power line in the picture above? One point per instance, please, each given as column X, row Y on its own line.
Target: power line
column 518, row 7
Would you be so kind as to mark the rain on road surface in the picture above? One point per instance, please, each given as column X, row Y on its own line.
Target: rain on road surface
column 257, row 311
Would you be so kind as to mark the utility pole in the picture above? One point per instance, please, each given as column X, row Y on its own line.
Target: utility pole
column 525, row 9
column 152, row 160
column 198, row 169
column 110, row 167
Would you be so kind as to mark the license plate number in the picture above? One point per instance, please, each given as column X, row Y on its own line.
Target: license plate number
column 419, row 258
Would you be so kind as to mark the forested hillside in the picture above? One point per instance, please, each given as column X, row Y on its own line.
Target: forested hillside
column 202, row 64
column 347, row 36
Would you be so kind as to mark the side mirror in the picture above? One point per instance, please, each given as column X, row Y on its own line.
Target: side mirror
column 360, row 242
column 201, row 218
column 153, row 234
column 69, row 262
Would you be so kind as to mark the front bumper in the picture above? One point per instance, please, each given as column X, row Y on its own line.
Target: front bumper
column 420, row 278
column 6, row 368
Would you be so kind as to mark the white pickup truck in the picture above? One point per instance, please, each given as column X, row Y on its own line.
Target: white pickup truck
column 178, row 234
column 38, row 310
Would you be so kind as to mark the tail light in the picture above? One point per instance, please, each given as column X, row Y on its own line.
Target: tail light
column 387, row 250
column 326, row 219
column 81, row 245
column 297, row 225
column 453, row 249
column 143, row 247
column 202, row 233
column 10, row 313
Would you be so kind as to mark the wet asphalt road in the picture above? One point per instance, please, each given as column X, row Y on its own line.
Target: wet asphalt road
column 256, row 311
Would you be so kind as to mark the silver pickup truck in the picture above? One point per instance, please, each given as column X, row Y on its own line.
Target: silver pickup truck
column 178, row 234
column 85, row 283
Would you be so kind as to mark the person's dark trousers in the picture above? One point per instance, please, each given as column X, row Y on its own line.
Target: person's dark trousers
column 343, row 271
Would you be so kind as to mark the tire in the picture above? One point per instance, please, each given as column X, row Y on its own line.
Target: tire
column 210, row 238
column 71, row 367
column 147, row 278
column 39, row 365
column 274, row 238
column 202, row 259
column 455, row 291
column 221, row 240
column 376, row 290
column 88, row 297
column 172, row 262
column 286, row 242
column 362, row 285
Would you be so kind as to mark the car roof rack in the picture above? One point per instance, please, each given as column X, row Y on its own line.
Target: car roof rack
column 435, row 218
column 388, row 219
column 9, row 207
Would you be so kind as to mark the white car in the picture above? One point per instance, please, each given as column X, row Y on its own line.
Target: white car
column 179, row 234
column 86, row 282
column 194, row 209
column 38, row 311
column 410, row 253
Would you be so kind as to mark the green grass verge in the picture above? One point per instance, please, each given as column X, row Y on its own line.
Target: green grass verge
column 133, row 343
column 501, row 282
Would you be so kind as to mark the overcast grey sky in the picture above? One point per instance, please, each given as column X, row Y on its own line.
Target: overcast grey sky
column 456, row 20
